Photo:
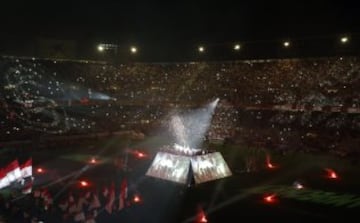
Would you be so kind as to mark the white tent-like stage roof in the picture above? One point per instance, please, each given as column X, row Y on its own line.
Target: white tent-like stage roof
column 182, row 163
column 180, row 167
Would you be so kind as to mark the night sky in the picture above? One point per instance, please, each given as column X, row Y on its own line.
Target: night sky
column 172, row 21
column 171, row 30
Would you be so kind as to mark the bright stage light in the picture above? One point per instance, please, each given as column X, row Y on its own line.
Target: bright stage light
column 270, row 198
column 237, row 47
column 201, row 218
column 270, row 166
column 214, row 104
column 299, row 186
column 93, row 160
column 268, row 163
column 286, row 44
column 39, row 170
column 186, row 149
column 331, row 174
column 84, row 183
column 99, row 96
column 136, row 199
column 140, row 155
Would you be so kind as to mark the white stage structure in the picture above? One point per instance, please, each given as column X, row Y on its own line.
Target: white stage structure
column 186, row 165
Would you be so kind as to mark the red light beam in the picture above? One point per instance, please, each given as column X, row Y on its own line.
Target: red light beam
column 270, row 198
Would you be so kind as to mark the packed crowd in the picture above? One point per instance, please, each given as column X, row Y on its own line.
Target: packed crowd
column 84, row 205
column 293, row 98
column 302, row 105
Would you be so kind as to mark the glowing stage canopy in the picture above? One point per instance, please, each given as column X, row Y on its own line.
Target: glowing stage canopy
column 183, row 162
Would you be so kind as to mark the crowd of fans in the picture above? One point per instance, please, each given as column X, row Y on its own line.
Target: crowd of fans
column 84, row 205
column 314, row 101
column 306, row 105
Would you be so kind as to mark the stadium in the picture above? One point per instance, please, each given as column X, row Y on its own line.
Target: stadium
column 98, row 130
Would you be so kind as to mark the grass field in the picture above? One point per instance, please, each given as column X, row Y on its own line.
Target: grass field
column 233, row 199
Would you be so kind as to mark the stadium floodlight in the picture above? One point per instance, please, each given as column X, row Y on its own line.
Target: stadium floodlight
column 286, row 43
column 237, row 47
column 201, row 49
column 133, row 49
column 344, row 39
column 100, row 48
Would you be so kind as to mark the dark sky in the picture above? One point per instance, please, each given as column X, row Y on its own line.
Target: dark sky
column 176, row 21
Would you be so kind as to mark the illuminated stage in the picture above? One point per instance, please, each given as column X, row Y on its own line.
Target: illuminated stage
column 188, row 166
column 182, row 162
